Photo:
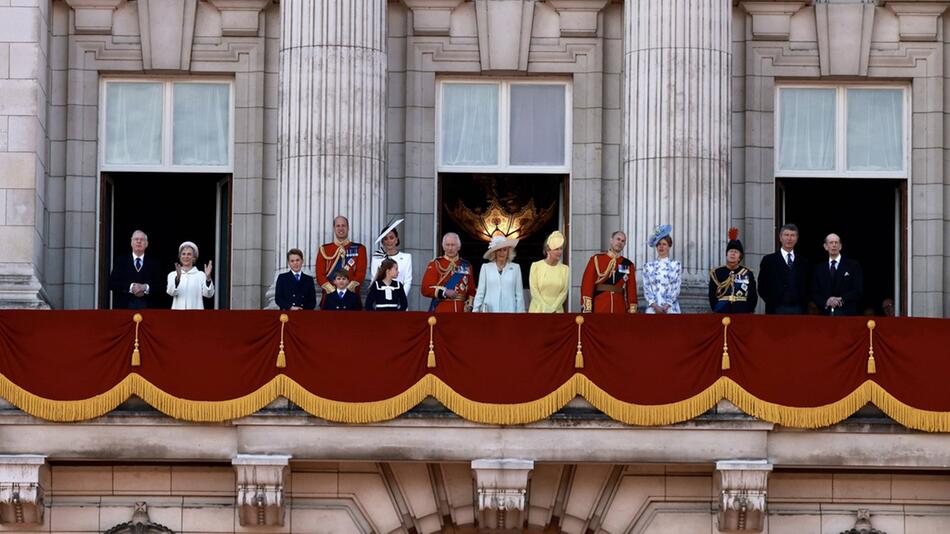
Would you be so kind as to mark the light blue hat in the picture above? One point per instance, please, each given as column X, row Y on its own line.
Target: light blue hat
column 661, row 231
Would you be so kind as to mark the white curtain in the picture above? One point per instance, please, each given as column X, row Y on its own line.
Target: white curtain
column 469, row 124
column 134, row 123
column 807, row 136
column 537, row 125
column 201, row 123
column 875, row 130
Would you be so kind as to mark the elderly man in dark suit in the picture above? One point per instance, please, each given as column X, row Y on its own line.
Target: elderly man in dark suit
column 294, row 289
column 783, row 276
column 838, row 283
column 133, row 276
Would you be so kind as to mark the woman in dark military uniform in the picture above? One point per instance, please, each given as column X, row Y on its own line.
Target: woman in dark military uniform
column 732, row 286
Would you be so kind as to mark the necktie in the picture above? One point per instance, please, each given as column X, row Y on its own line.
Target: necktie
column 833, row 268
column 297, row 276
column 341, row 294
column 138, row 264
column 790, row 260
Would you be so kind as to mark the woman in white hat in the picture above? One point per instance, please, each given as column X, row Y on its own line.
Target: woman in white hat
column 548, row 278
column 186, row 284
column 387, row 246
column 662, row 276
column 499, row 281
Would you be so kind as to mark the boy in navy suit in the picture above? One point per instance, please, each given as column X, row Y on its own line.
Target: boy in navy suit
column 342, row 298
column 294, row 289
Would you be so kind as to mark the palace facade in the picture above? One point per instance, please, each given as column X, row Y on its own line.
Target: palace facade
column 247, row 125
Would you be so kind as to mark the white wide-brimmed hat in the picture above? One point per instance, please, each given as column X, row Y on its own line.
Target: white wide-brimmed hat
column 499, row 242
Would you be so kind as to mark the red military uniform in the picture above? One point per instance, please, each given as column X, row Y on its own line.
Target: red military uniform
column 346, row 255
column 443, row 273
column 609, row 285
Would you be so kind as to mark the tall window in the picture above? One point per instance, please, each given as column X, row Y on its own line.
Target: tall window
column 166, row 125
column 504, row 126
column 849, row 130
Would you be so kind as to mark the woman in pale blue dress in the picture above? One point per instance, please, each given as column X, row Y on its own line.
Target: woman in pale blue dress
column 662, row 276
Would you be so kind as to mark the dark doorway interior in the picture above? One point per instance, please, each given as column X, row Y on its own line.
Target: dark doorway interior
column 170, row 208
column 466, row 201
column 866, row 214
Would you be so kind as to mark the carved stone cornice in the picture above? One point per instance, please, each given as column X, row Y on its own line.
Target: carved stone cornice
column 240, row 18
column 771, row 21
column 578, row 18
column 93, row 16
column 918, row 21
column 501, row 486
column 21, row 489
column 260, row 488
column 744, row 488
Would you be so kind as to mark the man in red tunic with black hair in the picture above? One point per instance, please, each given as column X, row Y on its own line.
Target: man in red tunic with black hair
column 449, row 280
column 341, row 254
column 610, row 280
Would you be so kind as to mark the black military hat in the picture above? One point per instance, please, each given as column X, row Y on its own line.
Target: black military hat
column 734, row 243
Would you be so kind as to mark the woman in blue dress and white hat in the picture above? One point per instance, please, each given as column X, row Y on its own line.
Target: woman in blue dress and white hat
column 662, row 277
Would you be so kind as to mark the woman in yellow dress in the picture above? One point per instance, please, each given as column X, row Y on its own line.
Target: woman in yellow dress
column 548, row 278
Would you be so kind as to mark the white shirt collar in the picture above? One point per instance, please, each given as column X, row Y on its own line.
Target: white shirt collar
column 837, row 261
column 786, row 254
column 134, row 257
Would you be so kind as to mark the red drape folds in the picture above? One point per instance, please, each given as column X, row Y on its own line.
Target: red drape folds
column 502, row 368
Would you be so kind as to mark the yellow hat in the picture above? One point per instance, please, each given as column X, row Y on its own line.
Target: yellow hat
column 555, row 240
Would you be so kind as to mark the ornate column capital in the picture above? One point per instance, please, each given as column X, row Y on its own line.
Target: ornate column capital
column 260, row 488
column 771, row 21
column 744, row 487
column 21, row 488
column 501, row 486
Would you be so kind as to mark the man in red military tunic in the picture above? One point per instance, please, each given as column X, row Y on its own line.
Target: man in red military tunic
column 449, row 280
column 341, row 254
column 610, row 281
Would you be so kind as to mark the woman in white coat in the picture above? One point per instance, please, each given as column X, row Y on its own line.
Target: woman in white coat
column 186, row 284
column 499, row 282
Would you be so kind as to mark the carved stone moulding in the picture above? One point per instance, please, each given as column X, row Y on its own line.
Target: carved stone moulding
column 260, row 488
column 94, row 16
column 743, row 499
column 432, row 17
column 501, row 486
column 240, row 17
column 21, row 488
column 918, row 21
column 771, row 21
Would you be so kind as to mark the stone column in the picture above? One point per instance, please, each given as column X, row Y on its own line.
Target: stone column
column 24, row 155
column 676, row 132
column 331, row 124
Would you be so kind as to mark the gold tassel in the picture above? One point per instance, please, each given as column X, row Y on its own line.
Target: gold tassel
column 872, row 366
column 579, row 357
column 136, row 355
column 725, row 343
column 430, row 362
column 281, row 357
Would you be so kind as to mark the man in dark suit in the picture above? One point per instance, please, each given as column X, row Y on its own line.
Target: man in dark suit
column 134, row 277
column 838, row 284
column 783, row 276
column 295, row 290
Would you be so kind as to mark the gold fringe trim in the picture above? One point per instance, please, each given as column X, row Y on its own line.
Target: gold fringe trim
column 480, row 412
